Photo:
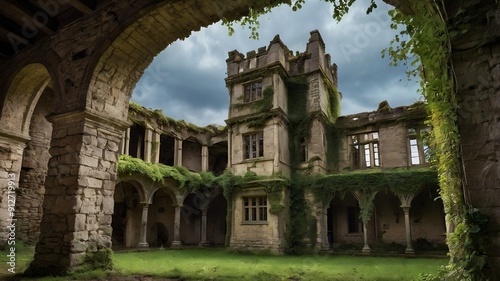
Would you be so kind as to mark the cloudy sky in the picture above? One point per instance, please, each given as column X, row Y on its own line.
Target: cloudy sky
column 186, row 80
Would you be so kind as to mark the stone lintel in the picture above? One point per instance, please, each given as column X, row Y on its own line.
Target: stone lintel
column 14, row 136
column 69, row 119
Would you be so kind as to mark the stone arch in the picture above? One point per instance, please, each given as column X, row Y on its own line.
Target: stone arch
column 26, row 143
column 171, row 190
column 127, row 211
column 427, row 210
column 34, row 167
column 191, row 215
column 344, row 226
column 161, row 217
column 216, row 220
column 389, row 219
column 23, row 93
column 139, row 186
column 120, row 63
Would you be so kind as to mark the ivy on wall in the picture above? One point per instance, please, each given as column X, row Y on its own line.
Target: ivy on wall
column 427, row 26
column 191, row 181
column 261, row 110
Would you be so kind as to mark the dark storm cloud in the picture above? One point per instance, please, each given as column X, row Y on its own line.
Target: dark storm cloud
column 187, row 79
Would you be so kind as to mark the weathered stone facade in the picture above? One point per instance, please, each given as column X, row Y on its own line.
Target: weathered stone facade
column 92, row 64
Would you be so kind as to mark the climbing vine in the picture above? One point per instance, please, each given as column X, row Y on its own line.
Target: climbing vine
column 429, row 41
column 425, row 40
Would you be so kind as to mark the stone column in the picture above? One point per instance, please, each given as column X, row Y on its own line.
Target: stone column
column 229, row 148
column 11, row 158
column 406, row 205
column 144, row 227
column 277, row 144
column 177, row 226
column 155, row 148
column 322, row 225
column 178, row 152
column 204, row 158
column 78, row 202
column 409, row 248
column 364, row 198
column 127, row 142
column 148, row 137
column 204, row 242
column 366, row 248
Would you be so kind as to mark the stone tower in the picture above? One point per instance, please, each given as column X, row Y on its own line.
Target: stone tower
column 260, row 86
column 277, row 101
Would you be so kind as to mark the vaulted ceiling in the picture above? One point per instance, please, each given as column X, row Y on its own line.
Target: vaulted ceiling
column 24, row 22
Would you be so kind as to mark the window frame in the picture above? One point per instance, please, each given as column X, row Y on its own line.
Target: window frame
column 253, row 145
column 414, row 132
column 253, row 93
column 254, row 209
column 364, row 149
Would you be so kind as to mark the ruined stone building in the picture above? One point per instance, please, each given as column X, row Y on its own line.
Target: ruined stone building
column 266, row 88
column 64, row 99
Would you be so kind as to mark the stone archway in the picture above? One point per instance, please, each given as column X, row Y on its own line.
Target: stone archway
column 23, row 130
column 161, row 218
column 216, row 220
column 127, row 213
column 107, row 90
column 31, row 189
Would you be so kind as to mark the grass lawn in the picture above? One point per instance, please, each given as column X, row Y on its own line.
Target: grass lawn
column 220, row 264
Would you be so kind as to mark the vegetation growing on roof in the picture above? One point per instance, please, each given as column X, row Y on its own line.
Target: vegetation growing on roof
column 152, row 115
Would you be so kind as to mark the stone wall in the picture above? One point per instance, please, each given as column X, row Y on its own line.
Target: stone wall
column 266, row 236
column 476, row 62
column 392, row 127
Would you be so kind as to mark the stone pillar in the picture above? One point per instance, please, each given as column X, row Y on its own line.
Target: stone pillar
column 229, row 148
column 322, row 224
column 148, row 137
column 204, row 158
column 366, row 249
column 204, row 242
column 406, row 205
column 177, row 226
column 78, row 202
column 127, row 142
column 364, row 198
column 178, row 152
column 144, row 227
column 155, row 148
column 409, row 248
column 11, row 158
column 277, row 144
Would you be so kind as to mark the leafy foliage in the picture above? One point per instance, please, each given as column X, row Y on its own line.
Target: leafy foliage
column 261, row 110
column 156, row 115
column 188, row 181
column 102, row 259
column 429, row 44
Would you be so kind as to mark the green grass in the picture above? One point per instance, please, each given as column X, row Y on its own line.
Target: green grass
column 220, row 264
